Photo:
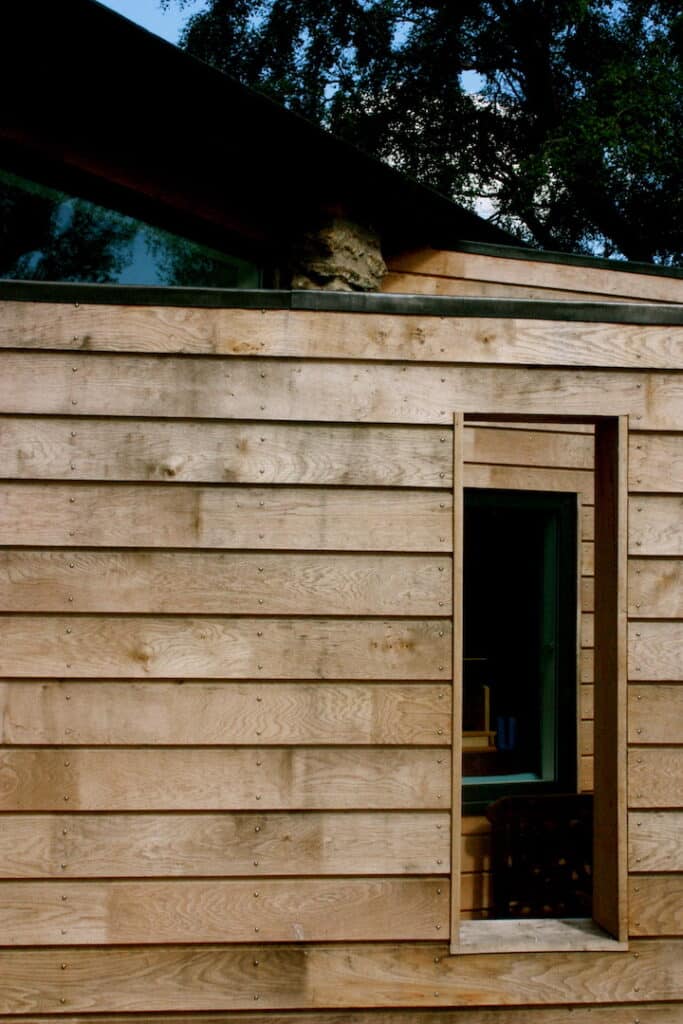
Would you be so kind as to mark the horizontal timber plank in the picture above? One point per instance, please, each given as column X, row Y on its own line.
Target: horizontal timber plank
column 247, row 844
column 655, row 651
column 308, row 334
column 156, row 515
column 655, row 714
column 655, row 588
column 478, row 266
column 587, row 700
column 587, row 594
column 204, row 714
column 235, row 388
column 654, row 525
column 654, row 777
column 186, row 779
column 225, row 583
column 327, row 977
column 655, row 905
column 656, row 462
column 83, row 448
column 219, row 647
column 586, row 730
column 530, row 478
column 428, row 284
column 182, row 911
column 655, row 841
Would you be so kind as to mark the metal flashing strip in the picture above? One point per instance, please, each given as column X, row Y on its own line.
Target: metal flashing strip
column 344, row 302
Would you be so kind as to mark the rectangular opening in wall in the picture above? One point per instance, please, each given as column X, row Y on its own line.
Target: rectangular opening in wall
column 524, row 739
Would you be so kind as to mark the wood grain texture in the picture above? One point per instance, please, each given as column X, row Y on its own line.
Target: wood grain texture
column 654, row 775
column 601, row 281
column 655, row 650
column 191, row 516
column 82, row 448
column 656, row 463
column 428, row 284
column 205, row 714
column 308, row 334
column 655, row 714
column 286, row 778
column 235, row 388
column 224, row 583
column 654, row 525
column 655, row 841
column 231, row 844
column 182, row 911
column 656, row 588
column 326, row 977
column 217, row 647
column 656, row 905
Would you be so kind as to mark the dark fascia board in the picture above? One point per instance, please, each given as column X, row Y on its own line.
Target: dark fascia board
column 516, row 252
column 344, row 302
column 147, row 100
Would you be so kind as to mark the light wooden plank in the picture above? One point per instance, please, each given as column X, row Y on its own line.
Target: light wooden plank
column 330, row 976
column 655, row 841
column 656, row 463
column 655, row 525
column 655, row 714
column 656, row 588
column 586, row 737
column 75, row 448
column 328, row 391
column 530, row 478
column 224, row 517
column 424, row 284
column 587, row 626
column 587, row 699
column 285, row 778
column 655, row 775
column 655, row 651
column 599, row 280
column 587, row 594
column 225, row 583
column 586, row 664
column 456, row 906
column 312, row 334
column 231, row 844
column 656, row 905
column 535, row 936
column 182, row 911
column 205, row 714
column 219, row 647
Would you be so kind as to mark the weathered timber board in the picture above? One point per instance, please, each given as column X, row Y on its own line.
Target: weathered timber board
column 203, row 714
column 656, row 651
column 655, row 714
column 655, row 841
column 251, row 844
column 284, row 910
column 308, row 334
column 224, row 583
column 181, row 778
column 656, row 905
column 428, row 284
column 235, row 388
column 654, row 525
column 654, row 775
column 219, row 647
column 655, row 588
column 318, row 977
column 656, row 462
column 190, row 516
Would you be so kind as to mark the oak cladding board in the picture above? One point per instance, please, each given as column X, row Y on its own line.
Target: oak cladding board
column 220, row 647
column 201, row 451
column 225, row 583
column 361, row 975
column 656, row 462
column 655, row 525
column 655, row 651
column 205, row 714
column 182, row 911
column 655, row 713
column 655, row 841
column 431, row 284
column 328, row 391
column 337, row 335
column 479, row 266
column 656, row 905
column 232, row 844
column 191, row 516
column 654, row 775
column 655, row 588
column 241, row 778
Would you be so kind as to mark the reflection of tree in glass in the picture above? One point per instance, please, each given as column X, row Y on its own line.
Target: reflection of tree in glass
column 184, row 263
column 46, row 236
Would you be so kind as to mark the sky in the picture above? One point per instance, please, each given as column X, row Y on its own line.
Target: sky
column 148, row 13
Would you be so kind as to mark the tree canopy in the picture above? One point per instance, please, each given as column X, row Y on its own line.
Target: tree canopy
column 571, row 139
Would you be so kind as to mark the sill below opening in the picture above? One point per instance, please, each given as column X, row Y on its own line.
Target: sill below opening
column 538, row 935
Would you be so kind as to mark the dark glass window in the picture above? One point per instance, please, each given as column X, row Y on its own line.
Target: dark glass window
column 48, row 235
